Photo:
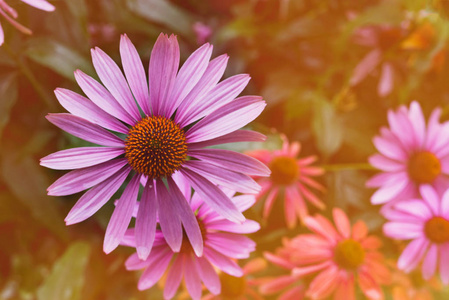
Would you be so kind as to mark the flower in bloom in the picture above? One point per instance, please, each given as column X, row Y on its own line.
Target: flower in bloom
column 223, row 243
column 343, row 257
column 426, row 223
column 10, row 14
column 150, row 131
column 290, row 177
column 411, row 154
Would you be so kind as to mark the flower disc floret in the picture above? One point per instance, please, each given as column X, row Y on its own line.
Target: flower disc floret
column 349, row 254
column 424, row 167
column 284, row 170
column 156, row 147
column 437, row 230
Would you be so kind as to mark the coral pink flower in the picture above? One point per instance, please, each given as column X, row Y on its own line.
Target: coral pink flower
column 290, row 177
column 10, row 14
column 411, row 154
column 223, row 242
column 159, row 133
column 426, row 222
column 343, row 257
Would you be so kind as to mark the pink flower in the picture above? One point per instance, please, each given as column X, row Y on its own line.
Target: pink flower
column 160, row 133
column 426, row 223
column 10, row 14
column 342, row 256
column 411, row 154
column 223, row 243
column 290, row 177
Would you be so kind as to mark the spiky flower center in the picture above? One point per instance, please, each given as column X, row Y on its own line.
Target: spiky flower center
column 284, row 170
column 232, row 287
column 424, row 167
column 156, row 147
column 349, row 254
column 437, row 230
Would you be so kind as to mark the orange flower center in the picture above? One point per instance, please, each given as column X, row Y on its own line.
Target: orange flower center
column 424, row 167
column 284, row 170
column 156, row 147
column 437, row 230
column 349, row 254
column 186, row 247
column 232, row 287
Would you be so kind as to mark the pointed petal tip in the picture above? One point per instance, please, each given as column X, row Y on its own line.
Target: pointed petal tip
column 143, row 252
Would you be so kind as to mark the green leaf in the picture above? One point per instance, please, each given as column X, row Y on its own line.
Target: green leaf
column 8, row 96
column 66, row 279
column 58, row 57
column 164, row 13
column 327, row 127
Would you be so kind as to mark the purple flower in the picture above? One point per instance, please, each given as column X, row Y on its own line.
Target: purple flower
column 223, row 243
column 167, row 126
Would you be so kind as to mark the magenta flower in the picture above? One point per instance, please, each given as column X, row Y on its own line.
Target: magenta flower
column 165, row 132
column 223, row 243
column 426, row 222
column 411, row 154
column 291, row 177
column 10, row 14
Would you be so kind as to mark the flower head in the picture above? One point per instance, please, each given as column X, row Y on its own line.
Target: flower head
column 290, row 177
column 342, row 256
column 411, row 154
column 163, row 127
column 10, row 14
column 223, row 243
column 426, row 223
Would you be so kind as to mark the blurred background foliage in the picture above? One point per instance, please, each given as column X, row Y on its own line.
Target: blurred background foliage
column 304, row 57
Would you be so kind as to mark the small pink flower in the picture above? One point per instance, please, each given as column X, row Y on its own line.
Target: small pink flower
column 290, row 177
column 426, row 223
column 223, row 244
column 411, row 154
column 10, row 14
column 343, row 257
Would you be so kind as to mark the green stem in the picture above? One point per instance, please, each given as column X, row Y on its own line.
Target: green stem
column 32, row 79
column 350, row 166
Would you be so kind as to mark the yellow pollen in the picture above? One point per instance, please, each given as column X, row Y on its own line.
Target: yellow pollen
column 156, row 147
column 437, row 230
column 284, row 170
column 232, row 287
column 424, row 167
column 349, row 254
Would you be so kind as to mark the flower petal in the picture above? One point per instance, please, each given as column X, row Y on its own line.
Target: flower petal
column 146, row 221
column 208, row 275
column 222, row 262
column 233, row 137
column 174, row 277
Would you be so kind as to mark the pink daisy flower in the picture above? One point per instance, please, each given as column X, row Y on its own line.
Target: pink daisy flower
column 291, row 178
column 10, row 14
column 164, row 127
column 411, row 154
column 342, row 256
column 223, row 243
column 426, row 222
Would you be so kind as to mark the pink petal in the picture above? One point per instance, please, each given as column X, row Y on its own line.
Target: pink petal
column 164, row 63
column 96, row 197
column 429, row 264
column 359, row 230
column 416, row 208
column 174, row 277
column 230, row 244
column 135, row 263
column 208, row 275
column 121, row 217
column 369, row 286
column 388, row 192
column 418, row 122
column 390, row 147
column 412, row 254
column 300, row 272
column 279, row 261
column 146, row 221
column 444, row 263
column 386, row 81
column 222, row 262
column 403, row 231
column 290, row 213
column 81, row 157
column 233, row 137
column 135, row 73
column 82, row 107
column 402, row 128
column 342, row 222
column 277, row 284
column 386, row 164
column 431, row 197
column 228, row 118
column 154, row 272
column 249, row 226
column 269, row 202
column 41, row 4
column 192, row 279
column 366, row 66
column 324, row 283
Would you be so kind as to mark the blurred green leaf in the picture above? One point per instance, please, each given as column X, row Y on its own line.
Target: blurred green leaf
column 327, row 127
column 66, row 279
column 164, row 13
column 58, row 57
column 8, row 96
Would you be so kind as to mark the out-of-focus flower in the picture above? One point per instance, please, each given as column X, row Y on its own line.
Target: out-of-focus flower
column 290, row 177
column 240, row 288
column 10, row 14
column 411, row 154
column 344, row 257
column 202, row 32
column 223, row 242
column 426, row 222
column 154, row 142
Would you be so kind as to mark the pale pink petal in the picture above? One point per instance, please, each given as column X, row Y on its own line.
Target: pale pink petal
column 82, row 107
column 135, row 263
column 192, row 278
column 41, row 4
column 386, row 80
column 311, row 197
column 431, row 197
column 403, row 231
column 444, row 263
column 412, row 254
column 269, row 202
column 299, row 272
column 378, row 180
column 231, row 245
column 402, row 128
column 154, row 272
column 277, row 284
column 324, row 283
column 390, row 148
column 445, row 204
column 2, row 35
column 249, row 226
column 386, row 164
column 208, row 275
column 418, row 122
column 233, row 137
column 429, row 264
column 135, row 73
column 174, row 277
column 389, row 191
column 415, row 207
column 299, row 204
column 321, row 226
column 433, row 128
column 366, row 66
column 81, row 157
column 342, row 222
column 85, row 130
column 146, row 221
column 222, row 262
